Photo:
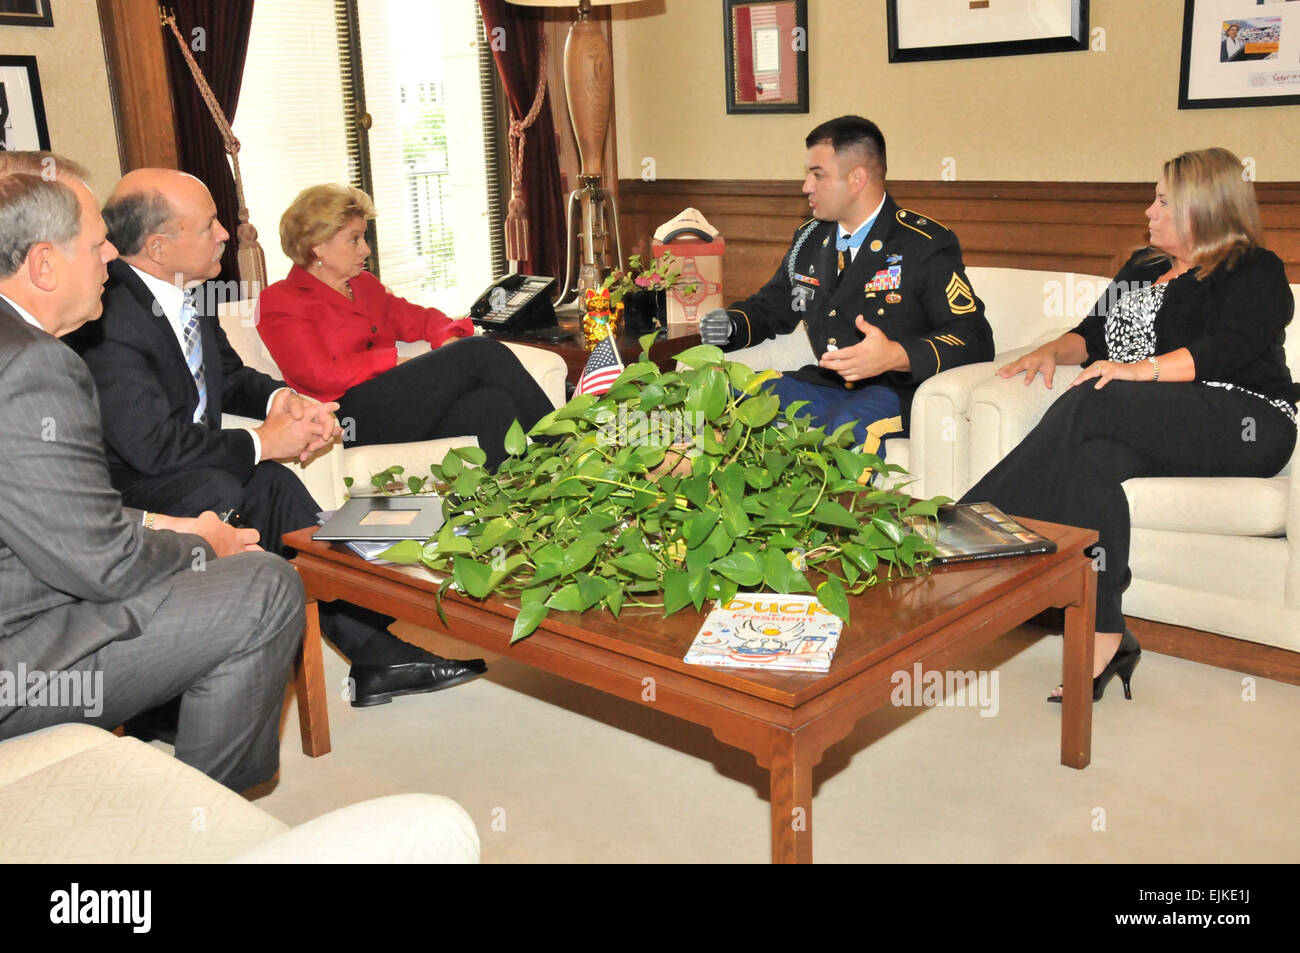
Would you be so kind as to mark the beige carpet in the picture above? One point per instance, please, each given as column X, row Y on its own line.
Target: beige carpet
column 1186, row 772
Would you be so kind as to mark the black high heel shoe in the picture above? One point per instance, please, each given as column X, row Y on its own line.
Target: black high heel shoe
column 1122, row 664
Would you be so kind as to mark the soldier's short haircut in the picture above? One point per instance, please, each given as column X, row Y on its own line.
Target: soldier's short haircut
column 36, row 204
column 134, row 217
column 852, row 133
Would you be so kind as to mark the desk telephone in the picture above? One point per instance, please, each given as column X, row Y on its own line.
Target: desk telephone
column 515, row 303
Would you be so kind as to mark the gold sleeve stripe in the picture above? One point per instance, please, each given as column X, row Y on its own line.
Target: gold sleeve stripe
column 875, row 433
column 936, row 353
column 950, row 339
column 749, row 328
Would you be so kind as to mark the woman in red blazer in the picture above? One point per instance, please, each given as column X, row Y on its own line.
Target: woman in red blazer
column 333, row 329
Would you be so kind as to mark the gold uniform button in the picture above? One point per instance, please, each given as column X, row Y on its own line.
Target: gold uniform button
column 832, row 313
column 880, row 311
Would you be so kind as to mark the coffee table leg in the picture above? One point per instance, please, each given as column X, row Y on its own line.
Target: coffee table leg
column 313, row 717
column 1076, row 705
column 791, row 786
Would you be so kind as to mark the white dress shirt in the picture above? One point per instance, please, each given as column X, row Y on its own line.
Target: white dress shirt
column 22, row 312
column 845, row 233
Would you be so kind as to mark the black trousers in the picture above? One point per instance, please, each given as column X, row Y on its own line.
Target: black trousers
column 1070, row 468
column 273, row 502
column 470, row 386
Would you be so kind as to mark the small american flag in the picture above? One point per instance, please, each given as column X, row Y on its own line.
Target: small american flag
column 603, row 368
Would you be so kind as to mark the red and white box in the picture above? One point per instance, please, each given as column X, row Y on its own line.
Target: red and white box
column 701, row 263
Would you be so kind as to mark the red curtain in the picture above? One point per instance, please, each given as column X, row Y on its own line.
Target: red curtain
column 517, row 52
column 216, row 32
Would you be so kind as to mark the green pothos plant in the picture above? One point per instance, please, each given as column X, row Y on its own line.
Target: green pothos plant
column 672, row 488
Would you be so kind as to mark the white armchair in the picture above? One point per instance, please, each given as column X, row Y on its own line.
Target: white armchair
column 75, row 794
column 1208, row 555
column 324, row 473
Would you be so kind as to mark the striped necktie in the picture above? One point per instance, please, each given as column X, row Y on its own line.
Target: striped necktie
column 194, row 356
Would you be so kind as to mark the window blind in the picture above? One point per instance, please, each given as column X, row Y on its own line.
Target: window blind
column 289, row 121
column 420, row 72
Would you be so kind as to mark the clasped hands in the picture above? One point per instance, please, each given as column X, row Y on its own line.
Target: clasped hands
column 297, row 426
column 874, row 355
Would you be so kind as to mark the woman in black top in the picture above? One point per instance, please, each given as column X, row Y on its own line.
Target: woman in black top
column 1184, row 375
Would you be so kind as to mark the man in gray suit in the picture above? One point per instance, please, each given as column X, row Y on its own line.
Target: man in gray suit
column 106, row 612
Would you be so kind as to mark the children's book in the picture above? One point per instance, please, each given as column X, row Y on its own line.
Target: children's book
column 764, row 630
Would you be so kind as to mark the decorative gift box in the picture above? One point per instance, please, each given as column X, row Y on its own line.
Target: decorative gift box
column 701, row 263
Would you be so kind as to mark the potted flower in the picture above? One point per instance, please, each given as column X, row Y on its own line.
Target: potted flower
column 643, row 290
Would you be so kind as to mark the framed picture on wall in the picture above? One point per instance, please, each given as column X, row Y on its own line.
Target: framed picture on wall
column 767, row 55
column 25, row 13
column 22, row 110
column 958, row 29
column 1240, row 53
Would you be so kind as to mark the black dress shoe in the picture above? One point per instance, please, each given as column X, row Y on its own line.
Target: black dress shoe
column 377, row 684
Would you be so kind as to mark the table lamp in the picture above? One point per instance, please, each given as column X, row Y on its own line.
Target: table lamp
column 588, row 82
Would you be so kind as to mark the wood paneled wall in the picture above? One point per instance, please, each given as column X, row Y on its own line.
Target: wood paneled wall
column 1086, row 227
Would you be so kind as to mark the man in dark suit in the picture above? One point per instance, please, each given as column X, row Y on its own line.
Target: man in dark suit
column 882, row 289
column 166, row 373
column 105, row 612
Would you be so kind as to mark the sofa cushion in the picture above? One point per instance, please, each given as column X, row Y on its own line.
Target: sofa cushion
column 1220, row 506
column 116, row 801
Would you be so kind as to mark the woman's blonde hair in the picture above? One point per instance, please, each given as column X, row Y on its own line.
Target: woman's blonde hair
column 317, row 215
column 1213, row 208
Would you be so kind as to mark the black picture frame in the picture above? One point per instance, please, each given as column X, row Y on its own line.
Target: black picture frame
column 25, row 107
column 1076, row 39
column 26, row 13
column 1212, row 68
column 791, row 51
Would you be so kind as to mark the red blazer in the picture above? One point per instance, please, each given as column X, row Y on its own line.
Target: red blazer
column 325, row 343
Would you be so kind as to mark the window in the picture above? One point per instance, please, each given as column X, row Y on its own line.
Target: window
column 429, row 153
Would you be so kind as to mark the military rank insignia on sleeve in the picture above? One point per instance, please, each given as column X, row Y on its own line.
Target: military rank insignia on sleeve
column 961, row 300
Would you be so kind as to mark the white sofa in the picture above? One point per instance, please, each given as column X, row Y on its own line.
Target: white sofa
column 1218, row 557
column 324, row 473
column 75, row 794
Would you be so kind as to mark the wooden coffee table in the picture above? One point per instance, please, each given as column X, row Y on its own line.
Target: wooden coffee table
column 785, row 720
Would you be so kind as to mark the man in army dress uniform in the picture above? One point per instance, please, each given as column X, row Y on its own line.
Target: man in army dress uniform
column 882, row 289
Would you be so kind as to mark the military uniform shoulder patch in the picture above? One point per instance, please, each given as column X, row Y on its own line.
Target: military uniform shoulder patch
column 961, row 300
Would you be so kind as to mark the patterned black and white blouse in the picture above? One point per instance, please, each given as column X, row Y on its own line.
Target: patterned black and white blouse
column 1131, row 336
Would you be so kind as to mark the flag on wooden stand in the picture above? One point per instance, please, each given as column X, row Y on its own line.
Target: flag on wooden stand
column 603, row 368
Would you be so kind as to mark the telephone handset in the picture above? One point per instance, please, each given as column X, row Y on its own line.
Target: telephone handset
column 515, row 303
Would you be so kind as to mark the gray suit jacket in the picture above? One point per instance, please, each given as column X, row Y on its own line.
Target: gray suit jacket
column 76, row 570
